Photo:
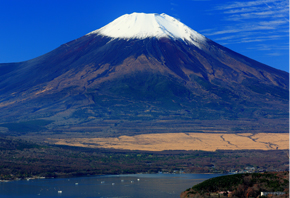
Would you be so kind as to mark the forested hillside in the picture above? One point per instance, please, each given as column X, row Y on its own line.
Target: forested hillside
column 241, row 185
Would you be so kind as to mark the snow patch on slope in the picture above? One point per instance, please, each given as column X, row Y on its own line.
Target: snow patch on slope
column 141, row 25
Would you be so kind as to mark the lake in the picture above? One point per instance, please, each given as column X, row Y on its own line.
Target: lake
column 109, row 186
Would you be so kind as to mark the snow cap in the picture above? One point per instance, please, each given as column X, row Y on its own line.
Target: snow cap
column 141, row 25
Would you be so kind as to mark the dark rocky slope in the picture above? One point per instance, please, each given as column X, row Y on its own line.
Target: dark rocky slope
column 94, row 78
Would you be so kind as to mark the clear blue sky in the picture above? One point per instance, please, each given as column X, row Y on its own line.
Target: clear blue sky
column 258, row 29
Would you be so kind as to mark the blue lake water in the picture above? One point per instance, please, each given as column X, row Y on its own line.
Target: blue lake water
column 109, row 186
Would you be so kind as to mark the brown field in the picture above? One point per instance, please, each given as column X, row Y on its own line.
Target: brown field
column 184, row 141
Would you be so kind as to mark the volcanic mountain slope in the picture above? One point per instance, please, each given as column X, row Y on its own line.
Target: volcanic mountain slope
column 141, row 67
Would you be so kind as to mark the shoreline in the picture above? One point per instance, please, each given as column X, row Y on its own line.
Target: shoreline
column 62, row 177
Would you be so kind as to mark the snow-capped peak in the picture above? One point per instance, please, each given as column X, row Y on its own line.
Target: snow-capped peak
column 141, row 25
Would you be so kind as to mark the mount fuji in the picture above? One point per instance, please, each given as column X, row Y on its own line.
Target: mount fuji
column 141, row 68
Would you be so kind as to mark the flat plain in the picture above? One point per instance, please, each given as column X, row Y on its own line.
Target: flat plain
column 183, row 141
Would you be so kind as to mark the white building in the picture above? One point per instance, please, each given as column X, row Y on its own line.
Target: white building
column 272, row 193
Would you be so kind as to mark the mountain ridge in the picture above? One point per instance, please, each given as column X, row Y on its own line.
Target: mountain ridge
column 98, row 77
